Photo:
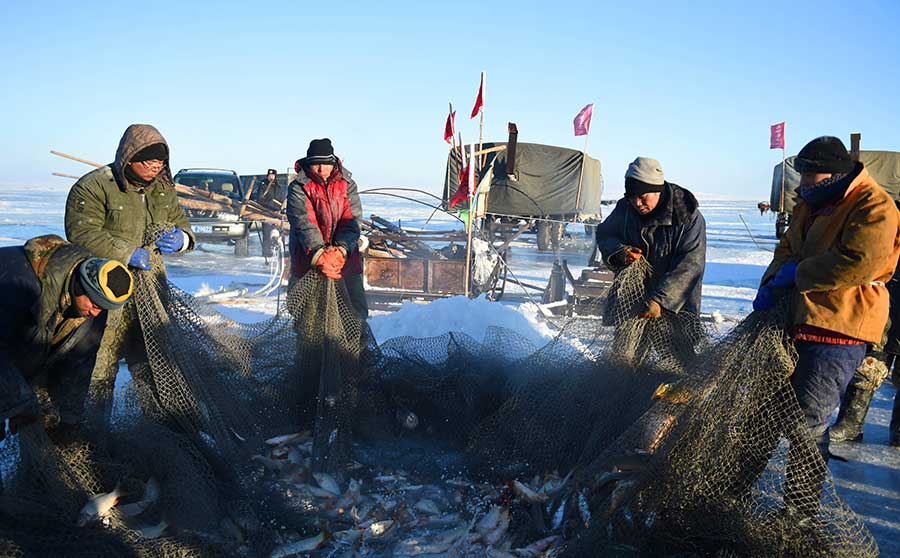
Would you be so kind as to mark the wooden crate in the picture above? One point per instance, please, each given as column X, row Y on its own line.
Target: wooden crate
column 415, row 275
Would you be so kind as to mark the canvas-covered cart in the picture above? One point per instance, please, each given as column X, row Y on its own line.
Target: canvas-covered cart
column 883, row 166
column 548, row 184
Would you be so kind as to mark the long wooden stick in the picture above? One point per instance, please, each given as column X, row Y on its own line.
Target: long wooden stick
column 74, row 158
column 64, row 175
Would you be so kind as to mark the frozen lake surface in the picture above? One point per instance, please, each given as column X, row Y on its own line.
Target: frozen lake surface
column 740, row 245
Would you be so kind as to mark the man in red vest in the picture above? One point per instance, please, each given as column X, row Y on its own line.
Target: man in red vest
column 324, row 210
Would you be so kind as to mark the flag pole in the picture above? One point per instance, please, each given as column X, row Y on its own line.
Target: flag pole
column 581, row 175
column 450, row 157
column 471, row 219
column 481, row 121
column 781, row 209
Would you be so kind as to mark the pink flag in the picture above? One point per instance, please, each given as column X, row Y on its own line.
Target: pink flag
column 479, row 101
column 776, row 137
column 583, row 120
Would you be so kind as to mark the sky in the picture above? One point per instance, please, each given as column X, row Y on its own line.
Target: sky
column 247, row 85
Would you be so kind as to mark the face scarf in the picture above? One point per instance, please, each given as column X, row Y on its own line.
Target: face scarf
column 821, row 193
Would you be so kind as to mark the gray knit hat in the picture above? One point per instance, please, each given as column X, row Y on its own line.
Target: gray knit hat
column 107, row 283
column 644, row 175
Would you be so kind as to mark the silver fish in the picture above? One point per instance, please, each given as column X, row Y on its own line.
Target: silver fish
column 446, row 541
column 583, row 510
column 153, row 531
column 493, row 537
column 617, row 497
column 560, row 514
column 379, row 528
column 287, row 438
column 538, row 548
column 526, row 494
column 328, row 483
column 489, row 522
column 427, row 506
column 98, row 506
column 151, row 495
column 295, row 548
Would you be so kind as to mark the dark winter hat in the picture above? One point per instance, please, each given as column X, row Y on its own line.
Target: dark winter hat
column 320, row 152
column 155, row 151
column 272, row 171
column 644, row 175
column 826, row 155
column 107, row 283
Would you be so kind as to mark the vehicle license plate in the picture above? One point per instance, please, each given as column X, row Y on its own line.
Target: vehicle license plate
column 201, row 228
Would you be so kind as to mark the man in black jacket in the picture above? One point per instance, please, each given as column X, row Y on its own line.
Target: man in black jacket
column 661, row 222
column 56, row 296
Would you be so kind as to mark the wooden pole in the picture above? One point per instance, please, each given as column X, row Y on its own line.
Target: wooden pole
column 581, row 175
column 74, row 158
column 471, row 216
column 64, row 175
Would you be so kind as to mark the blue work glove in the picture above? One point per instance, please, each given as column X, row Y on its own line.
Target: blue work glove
column 765, row 298
column 785, row 277
column 171, row 241
column 140, row 259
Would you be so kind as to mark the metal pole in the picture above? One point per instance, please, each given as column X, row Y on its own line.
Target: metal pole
column 781, row 209
column 481, row 123
column 581, row 176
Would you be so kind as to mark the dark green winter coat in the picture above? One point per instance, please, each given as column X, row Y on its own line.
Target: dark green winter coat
column 108, row 214
column 39, row 335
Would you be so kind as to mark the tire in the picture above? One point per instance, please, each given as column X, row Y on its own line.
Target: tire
column 242, row 246
column 781, row 224
column 543, row 236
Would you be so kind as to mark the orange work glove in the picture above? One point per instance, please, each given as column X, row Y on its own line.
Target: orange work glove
column 331, row 262
column 625, row 257
column 653, row 311
column 632, row 254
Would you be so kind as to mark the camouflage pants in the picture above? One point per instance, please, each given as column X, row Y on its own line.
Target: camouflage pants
column 122, row 338
column 870, row 373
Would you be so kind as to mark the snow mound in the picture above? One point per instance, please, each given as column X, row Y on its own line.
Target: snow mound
column 459, row 314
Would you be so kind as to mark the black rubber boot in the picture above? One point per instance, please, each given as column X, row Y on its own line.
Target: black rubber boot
column 852, row 416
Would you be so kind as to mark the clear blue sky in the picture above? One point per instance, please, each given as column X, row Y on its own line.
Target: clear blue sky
column 246, row 85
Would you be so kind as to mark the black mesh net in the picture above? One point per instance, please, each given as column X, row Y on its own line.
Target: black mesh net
column 299, row 435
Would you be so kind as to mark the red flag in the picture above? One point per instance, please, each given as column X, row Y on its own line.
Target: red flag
column 450, row 126
column 462, row 193
column 776, row 136
column 583, row 120
column 479, row 101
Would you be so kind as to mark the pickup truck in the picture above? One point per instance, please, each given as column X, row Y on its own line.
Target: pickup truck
column 217, row 225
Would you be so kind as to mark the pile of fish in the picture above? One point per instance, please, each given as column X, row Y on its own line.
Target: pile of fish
column 393, row 513
column 379, row 511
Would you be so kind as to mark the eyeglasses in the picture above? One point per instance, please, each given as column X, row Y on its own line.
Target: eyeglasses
column 151, row 163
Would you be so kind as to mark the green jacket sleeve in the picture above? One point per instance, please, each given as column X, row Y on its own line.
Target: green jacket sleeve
column 177, row 216
column 85, row 218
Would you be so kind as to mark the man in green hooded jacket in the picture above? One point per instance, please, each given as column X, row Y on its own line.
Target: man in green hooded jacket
column 128, row 211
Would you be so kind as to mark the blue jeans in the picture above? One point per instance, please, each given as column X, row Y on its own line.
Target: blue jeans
column 820, row 379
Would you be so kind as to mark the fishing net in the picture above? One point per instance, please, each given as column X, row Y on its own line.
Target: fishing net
column 622, row 436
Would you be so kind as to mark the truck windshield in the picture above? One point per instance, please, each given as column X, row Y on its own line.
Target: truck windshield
column 216, row 183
